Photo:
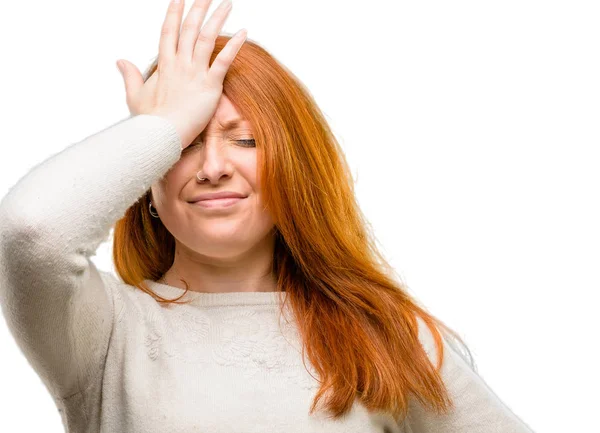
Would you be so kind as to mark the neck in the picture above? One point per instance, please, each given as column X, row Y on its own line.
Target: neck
column 249, row 271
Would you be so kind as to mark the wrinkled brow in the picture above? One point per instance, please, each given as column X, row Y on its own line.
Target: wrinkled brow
column 231, row 124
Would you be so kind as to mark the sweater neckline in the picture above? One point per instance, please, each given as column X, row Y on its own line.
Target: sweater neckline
column 218, row 299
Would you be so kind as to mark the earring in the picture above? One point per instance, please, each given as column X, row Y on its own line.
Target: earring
column 155, row 215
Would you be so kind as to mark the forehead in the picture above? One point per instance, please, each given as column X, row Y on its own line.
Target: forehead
column 226, row 117
column 225, row 112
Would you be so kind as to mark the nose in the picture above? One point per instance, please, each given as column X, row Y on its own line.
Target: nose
column 215, row 162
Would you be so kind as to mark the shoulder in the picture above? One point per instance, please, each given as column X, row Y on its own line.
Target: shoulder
column 454, row 351
column 126, row 297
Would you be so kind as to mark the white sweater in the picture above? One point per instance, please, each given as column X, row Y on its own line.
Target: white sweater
column 116, row 361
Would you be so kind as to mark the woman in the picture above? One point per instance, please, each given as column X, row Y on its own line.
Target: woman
column 221, row 297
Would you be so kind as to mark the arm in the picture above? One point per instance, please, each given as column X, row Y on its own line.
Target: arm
column 477, row 408
column 56, row 303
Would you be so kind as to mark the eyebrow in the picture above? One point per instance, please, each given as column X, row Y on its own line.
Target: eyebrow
column 230, row 124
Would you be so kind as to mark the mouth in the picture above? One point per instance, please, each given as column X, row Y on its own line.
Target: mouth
column 216, row 203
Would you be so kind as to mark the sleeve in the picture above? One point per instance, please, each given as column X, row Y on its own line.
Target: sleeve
column 57, row 305
column 477, row 408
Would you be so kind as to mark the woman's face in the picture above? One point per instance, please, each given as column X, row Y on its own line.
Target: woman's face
column 230, row 165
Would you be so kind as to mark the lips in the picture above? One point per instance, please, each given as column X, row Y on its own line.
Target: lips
column 217, row 195
column 218, row 202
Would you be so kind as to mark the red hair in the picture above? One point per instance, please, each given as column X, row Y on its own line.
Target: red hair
column 357, row 321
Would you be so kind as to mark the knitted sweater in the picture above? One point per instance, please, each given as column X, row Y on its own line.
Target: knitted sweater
column 115, row 360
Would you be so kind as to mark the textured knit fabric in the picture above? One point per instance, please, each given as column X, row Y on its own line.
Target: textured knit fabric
column 117, row 361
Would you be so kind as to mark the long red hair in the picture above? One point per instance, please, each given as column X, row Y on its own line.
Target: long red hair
column 357, row 321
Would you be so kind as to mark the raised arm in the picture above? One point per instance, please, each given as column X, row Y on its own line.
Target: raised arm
column 58, row 306
column 56, row 303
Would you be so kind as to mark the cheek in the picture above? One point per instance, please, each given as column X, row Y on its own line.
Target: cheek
column 262, row 217
column 174, row 180
column 246, row 167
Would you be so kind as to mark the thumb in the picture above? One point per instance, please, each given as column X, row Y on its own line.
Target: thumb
column 132, row 77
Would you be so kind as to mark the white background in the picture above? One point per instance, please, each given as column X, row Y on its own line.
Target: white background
column 472, row 129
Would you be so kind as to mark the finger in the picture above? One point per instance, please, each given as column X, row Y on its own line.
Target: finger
column 205, row 42
column 169, row 35
column 191, row 27
column 221, row 64
column 133, row 80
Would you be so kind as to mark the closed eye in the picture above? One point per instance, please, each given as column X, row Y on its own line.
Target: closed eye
column 247, row 142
